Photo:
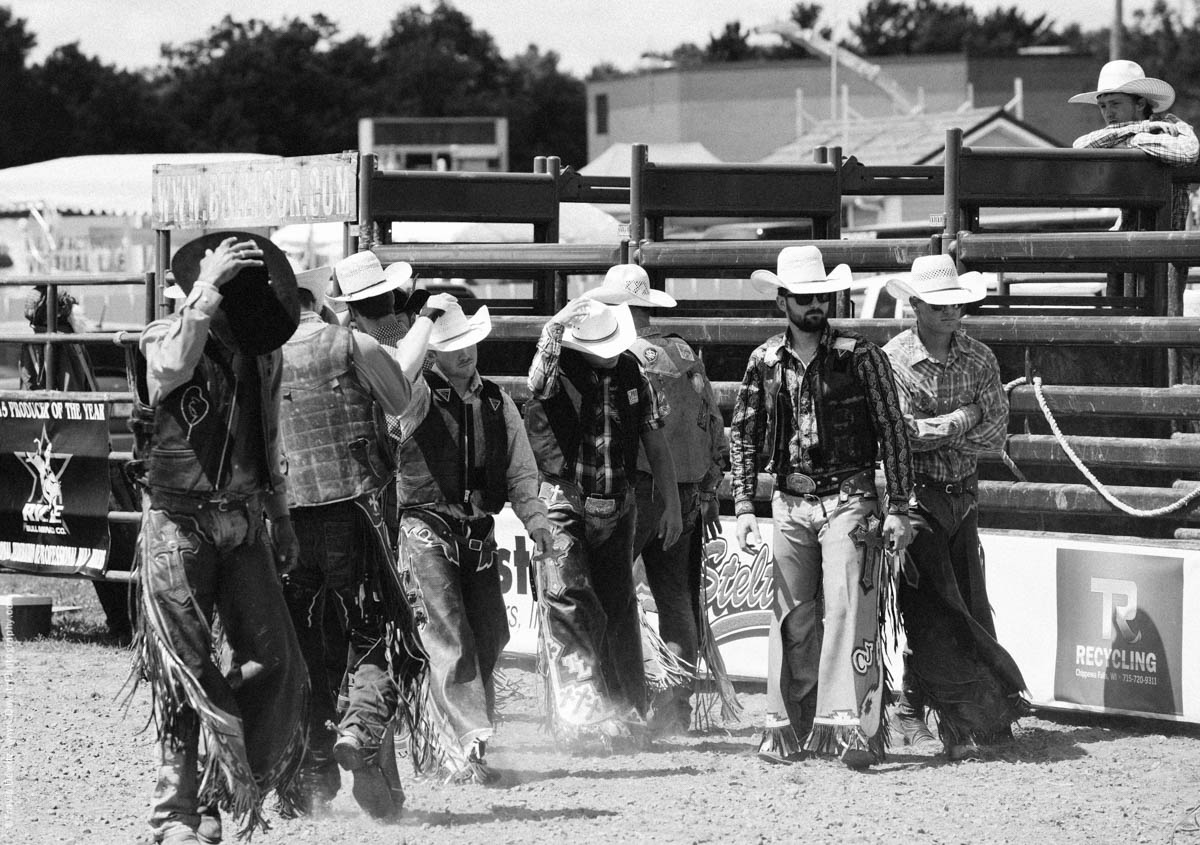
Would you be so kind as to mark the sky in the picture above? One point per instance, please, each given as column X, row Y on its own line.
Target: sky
column 584, row 33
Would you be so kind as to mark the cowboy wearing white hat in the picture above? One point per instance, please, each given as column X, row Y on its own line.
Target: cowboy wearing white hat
column 1125, row 77
column 935, row 280
column 1129, row 102
column 954, row 409
column 821, row 404
column 695, row 432
column 336, row 384
column 591, row 411
column 463, row 454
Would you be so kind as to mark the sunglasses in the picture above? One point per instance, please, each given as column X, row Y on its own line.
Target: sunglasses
column 809, row 298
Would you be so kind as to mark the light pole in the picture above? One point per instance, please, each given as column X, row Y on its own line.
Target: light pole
column 1116, row 39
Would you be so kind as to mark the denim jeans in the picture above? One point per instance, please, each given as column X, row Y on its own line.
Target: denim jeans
column 590, row 616
column 193, row 564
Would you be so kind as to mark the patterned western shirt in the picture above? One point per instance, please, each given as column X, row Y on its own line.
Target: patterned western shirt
column 599, row 465
column 746, row 433
column 933, row 395
column 1166, row 138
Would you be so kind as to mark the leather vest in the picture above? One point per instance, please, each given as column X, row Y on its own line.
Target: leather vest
column 555, row 424
column 846, row 436
column 201, row 427
column 672, row 367
column 437, row 463
column 328, row 433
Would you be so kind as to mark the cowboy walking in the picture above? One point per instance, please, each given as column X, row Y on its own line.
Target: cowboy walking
column 695, row 433
column 590, row 411
column 214, row 472
column 820, row 405
column 463, row 454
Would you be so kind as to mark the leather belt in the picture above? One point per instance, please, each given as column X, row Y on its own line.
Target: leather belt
column 190, row 504
column 970, row 484
column 799, row 484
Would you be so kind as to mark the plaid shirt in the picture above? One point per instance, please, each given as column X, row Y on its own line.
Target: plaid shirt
column 599, row 465
column 747, row 431
column 933, row 394
column 1166, row 138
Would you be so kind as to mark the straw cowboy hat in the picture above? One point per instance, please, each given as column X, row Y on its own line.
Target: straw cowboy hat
column 361, row 276
column 629, row 284
column 262, row 304
column 455, row 330
column 605, row 333
column 1126, row 77
column 316, row 282
column 800, row 269
column 934, row 279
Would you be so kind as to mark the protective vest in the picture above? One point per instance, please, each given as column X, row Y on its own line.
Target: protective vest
column 846, row 436
column 202, row 426
column 437, row 463
column 670, row 365
column 555, row 424
column 328, row 433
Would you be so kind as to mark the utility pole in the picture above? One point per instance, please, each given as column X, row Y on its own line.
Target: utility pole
column 1116, row 39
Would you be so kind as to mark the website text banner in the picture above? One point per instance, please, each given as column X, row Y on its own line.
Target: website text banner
column 256, row 192
column 54, row 486
column 738, row 589
column 1098, row 625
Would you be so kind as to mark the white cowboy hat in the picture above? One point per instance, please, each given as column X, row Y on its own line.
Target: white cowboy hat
column 316, row 282
column 629, row 284
column 605, row 333
column 934, row 279
column 361, row 276
column 454, row 330
column 800, row 269
column 1126, row 77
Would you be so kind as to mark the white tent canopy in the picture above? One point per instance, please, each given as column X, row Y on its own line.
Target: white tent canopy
column 99, row 184
column 616, row 160
column 313, row 244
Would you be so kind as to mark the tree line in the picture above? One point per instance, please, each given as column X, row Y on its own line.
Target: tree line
column 298, row 87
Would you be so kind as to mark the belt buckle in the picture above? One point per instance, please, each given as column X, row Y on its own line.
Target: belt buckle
column 599, row 507
column 800, row 484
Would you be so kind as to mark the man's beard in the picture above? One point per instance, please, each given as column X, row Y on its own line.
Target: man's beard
column 811, row 322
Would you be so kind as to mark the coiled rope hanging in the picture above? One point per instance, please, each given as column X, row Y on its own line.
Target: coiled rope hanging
column 1186, row 501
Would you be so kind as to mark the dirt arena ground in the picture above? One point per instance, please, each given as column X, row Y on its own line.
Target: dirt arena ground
column 74, row 768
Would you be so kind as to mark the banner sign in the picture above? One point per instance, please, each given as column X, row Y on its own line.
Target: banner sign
column 738, row 590
column 255, row 192
column 1093, row 624
column 1120, row 625
column 54, row 486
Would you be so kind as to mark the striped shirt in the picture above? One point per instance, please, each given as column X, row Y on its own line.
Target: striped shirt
column 599, row 464
column 800, row 431
column 933, row 395
column 1166, row 138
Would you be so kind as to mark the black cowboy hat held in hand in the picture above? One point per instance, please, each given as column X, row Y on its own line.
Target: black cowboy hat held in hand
column 262, row 304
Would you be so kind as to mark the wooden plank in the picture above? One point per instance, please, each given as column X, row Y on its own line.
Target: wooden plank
column 1181, row 401
column 464, row 196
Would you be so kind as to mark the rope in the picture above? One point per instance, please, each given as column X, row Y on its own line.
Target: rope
column 1186, row 501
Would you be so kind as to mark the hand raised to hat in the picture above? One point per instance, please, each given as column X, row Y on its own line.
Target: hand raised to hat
column 576, row 311
column 437, row 305
column 222, row 264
